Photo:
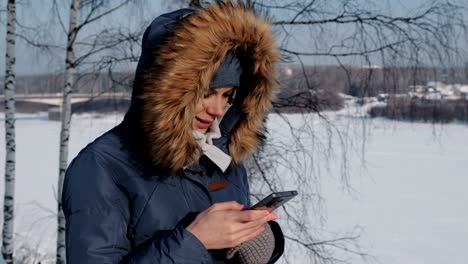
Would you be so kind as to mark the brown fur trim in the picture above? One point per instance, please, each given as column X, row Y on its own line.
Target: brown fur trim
column 186, row 67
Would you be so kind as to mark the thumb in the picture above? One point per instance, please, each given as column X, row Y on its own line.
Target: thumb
column 232, row 205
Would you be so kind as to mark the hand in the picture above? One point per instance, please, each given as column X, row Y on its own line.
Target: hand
column 226, row 225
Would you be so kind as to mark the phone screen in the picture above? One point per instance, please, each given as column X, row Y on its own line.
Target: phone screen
column 274, row 200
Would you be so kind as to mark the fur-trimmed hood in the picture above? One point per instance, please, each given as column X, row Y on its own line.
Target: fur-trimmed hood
column 181, row 53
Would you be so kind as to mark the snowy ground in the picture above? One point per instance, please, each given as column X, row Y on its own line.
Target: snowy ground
column 410, row 198
column 408, row 193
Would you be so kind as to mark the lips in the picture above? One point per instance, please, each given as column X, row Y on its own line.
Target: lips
column 204, row 120
column 203, row 123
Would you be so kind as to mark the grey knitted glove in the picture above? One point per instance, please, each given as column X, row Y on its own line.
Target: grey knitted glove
column 255, row 251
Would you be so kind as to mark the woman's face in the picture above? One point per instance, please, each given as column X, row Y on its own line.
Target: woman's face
column 212, row 105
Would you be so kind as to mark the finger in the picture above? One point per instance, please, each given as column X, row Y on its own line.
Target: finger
column 246, row 231
column 232, row 205
column 269, row 209
column 241, row 229
column 239, row 235
column 250, row 215
column 247, row 235
column 257, row 223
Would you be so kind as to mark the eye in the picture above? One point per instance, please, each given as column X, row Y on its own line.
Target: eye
column 208, row 93
column 231, row 96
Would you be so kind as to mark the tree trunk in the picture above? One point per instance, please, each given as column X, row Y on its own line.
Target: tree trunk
column 9, row 201
column 65, row 130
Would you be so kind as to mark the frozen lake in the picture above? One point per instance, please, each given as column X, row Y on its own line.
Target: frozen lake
column 410, row 199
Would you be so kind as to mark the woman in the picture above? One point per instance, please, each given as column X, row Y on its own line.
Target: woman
column 167, row 185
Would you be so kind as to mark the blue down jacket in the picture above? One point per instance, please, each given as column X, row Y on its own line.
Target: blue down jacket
column 129, row 195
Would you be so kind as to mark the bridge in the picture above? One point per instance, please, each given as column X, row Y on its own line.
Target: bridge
column 80, row 102
column 57, row 98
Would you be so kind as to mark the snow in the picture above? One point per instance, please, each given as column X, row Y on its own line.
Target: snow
column 463, row 88
column 410, row 197
column 37, row 150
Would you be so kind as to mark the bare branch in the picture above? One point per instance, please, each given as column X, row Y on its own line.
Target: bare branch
column 90, row 18
column 37, row 44
column 57, row 14
column 344, row 54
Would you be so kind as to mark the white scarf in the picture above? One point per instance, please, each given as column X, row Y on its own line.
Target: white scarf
column 205, row 141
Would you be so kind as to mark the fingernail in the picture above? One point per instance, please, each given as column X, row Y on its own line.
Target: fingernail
column 274, row 216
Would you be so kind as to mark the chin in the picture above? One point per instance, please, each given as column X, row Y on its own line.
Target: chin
column 202, row 130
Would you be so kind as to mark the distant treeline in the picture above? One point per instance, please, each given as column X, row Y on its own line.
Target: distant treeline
column 353, row 80
column 308, row 88
column 316, row 88
column 368, row 81
column 419, row 109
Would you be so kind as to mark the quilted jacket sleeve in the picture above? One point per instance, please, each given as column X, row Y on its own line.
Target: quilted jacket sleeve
column 97, row 215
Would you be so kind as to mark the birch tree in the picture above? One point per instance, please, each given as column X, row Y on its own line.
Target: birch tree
column 65, row 129
column 91, row 11
column 10, row 160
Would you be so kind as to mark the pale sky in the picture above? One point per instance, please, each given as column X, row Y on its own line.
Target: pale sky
column 37, row 12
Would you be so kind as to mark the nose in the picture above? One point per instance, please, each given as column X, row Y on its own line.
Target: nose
column 216, row 107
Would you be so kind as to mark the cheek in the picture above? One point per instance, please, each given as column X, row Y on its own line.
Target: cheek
column 200, row 107
column 225, row 102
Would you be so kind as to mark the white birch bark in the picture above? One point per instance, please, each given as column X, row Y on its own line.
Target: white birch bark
column 9, row 201
column 65, row 130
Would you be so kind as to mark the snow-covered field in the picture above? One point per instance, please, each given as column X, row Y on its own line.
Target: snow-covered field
column 412, row 198
column 409, row 193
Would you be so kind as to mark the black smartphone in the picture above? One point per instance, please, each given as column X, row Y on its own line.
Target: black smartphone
column 274, row 200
